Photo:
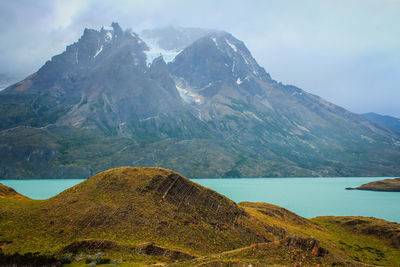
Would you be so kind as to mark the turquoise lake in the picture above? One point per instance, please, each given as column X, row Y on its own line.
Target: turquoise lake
column 308, row 197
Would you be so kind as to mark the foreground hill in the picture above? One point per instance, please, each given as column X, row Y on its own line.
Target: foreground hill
column 9, row 193
column 152, row 215
column 205, row 108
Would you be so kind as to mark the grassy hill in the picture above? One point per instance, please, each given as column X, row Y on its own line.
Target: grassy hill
column 145, row 216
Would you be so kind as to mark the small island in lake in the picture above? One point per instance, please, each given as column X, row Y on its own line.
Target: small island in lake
column 389, row 185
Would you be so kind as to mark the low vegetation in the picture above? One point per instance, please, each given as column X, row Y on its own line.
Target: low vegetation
column 152, row 216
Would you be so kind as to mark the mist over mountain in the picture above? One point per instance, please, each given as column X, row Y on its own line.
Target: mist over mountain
column 174, row 37
column 192, row 100
column 6, row 80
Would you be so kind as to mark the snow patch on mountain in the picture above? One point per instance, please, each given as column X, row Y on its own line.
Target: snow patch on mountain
column 98, row 51
column 155, row 51
column 244, row 58
column 76, row 56
column 108, row 36
column 215, row 41
column 297, row 93
column 188, row 95
column 231, row 45
column 108, row 28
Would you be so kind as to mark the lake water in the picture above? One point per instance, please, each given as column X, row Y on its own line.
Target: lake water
column 308, row 197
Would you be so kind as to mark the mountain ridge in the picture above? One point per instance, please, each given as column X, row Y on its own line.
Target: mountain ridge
column 385, row 120
column 211, row 111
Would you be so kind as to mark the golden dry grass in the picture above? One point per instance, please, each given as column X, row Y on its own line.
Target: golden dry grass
column 121, row 211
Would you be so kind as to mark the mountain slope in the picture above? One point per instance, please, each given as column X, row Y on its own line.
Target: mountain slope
column 145, row 216
column 8, row 192
column 385, row 120
column 101, row 82
column 242, row 102
column 210, row 111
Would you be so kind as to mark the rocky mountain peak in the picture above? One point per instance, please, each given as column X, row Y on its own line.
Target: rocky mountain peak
column 158, row 65
column 242, row 62
column 210, row 106
column 217, row 61
column 117, row 29
column 113, row 32
column 93, row 50
column 158, row 71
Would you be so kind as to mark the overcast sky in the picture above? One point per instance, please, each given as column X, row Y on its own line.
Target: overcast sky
column 347, row 52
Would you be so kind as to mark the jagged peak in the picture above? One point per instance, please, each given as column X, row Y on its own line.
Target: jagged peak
column 228, row 44
column 87, row 33
column 110, row 34
column 158, row 65
column 117, row 29
column 93, row 47
column 224, row 54
column 159, row 61
column 115, row 26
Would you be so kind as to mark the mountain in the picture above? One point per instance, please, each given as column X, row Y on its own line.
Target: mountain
column 170, row 41
column 146, row 216
column 384, row 120
column 206, row 110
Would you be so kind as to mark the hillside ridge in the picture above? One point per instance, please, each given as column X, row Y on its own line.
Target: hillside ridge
column 8, row 192
column 145, row 216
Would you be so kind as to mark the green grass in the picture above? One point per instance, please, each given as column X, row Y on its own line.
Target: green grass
column 117, row 211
